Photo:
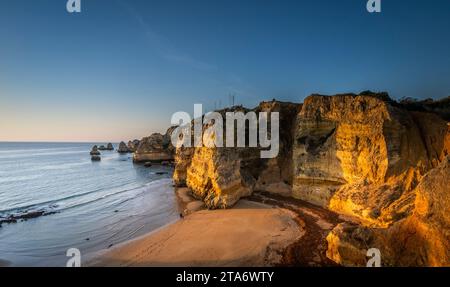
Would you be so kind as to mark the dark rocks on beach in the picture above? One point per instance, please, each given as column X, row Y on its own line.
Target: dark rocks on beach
column 160, row 173
column 14, row 218
column 148, row 164
column 96, row 158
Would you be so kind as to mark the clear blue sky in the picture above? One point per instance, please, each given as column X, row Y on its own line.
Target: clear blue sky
column 121, row 68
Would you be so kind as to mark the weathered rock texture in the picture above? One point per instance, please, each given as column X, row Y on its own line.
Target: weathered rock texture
column 421, row 239
column 366, row 156
column 221, row 176
column 155, row 148
column 133, row 145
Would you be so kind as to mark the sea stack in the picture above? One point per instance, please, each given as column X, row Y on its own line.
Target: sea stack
column 123, row 148
column 95, row 151
column 96, row 158
column 109, row 146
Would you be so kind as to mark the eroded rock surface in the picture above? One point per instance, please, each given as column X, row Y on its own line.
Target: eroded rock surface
column 220, row 176
column 380, row 163
column 155, row 148
column 421, row 239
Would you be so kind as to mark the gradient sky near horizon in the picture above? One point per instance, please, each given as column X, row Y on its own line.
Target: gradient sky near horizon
column 121, row 68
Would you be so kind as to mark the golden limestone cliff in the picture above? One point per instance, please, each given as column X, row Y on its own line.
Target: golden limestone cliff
column 420, row 239
column 378, row 161
column 361, row 155
column 220, row 176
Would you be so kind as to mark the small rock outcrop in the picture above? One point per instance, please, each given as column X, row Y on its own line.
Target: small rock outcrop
column 95, row 151
column 96, row 158
column 155, row 148
column 123, row 148
column 108, row 147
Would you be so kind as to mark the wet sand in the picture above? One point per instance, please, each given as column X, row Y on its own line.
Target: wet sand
column 250, row 234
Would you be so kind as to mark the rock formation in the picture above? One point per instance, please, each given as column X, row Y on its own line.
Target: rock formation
column 220, row 176
column 133, row 145
column 109, row 147
column 96, row 158
column 123, row 148
column 421, row 239
column 94, row 151
column 155, row 148
column 366, row 156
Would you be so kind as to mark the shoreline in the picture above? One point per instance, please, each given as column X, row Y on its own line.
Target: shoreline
column 249, row 234
column 262, row 230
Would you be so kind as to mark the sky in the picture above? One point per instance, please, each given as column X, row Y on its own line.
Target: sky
column 119, row 69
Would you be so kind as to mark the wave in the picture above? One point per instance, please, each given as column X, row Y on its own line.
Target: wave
column 62, row 166
column 42, row 154
column 33, row 150
column 19, row 178
column 60, row 204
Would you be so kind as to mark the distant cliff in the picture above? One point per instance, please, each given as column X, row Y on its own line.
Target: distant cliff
column 155, row 148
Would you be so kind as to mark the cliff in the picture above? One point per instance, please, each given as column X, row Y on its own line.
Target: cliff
column 221, row 176
column 421, row 239
column 364, row 156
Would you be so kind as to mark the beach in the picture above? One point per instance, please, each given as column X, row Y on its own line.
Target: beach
column 261, row 230
column 249, row 234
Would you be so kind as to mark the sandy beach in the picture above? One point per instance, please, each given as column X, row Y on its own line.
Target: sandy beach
column 250, row 234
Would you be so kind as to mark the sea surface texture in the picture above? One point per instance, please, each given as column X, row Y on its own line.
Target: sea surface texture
column 91, row 206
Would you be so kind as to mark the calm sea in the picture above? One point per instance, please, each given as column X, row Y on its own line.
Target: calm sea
column 97, row 204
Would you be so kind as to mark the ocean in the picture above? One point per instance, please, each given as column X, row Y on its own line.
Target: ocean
column 91, row 206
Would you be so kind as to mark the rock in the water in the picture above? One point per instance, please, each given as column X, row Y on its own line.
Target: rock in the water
column 155, row 148
column 95, row 151
column 96, row 158
column 123, row 148
column 110, row 146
